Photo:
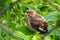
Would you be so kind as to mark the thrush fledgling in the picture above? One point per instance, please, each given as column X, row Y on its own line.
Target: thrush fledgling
column 36, row 21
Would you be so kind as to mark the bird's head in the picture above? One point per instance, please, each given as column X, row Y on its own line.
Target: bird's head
column 30, row 13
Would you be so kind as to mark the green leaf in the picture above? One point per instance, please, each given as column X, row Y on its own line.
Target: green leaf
column 29, row 6
column 51, row 16
column 21, row 35
column 48, row 38
column 36, row 37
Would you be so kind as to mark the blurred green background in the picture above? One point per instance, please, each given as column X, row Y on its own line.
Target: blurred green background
column 14, row 19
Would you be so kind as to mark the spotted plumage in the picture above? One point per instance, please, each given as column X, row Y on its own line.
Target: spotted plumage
column 36, row 21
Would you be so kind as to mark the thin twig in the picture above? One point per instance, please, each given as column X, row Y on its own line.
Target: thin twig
column 56, row 6
column 8, row 7
column 9, row 32
column 3, row 27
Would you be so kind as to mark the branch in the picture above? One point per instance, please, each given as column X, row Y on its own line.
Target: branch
column 9, row 32
column 8, row 7
column 56, row 6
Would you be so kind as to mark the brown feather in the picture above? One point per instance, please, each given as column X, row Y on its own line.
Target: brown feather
column 36, row 21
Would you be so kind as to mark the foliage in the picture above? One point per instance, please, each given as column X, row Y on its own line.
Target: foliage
column 14, row 19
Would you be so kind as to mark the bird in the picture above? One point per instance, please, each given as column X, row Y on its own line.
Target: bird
column 36, row 22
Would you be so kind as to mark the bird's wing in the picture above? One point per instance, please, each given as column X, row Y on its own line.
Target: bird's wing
column 39, row 17
column 29, row 25
column 39, row 23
